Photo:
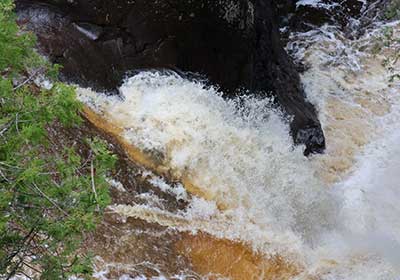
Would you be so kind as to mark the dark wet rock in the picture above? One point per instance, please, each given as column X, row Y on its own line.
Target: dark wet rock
column 233, row 43
column 313, row 139
column 283, row 78
column 285, row 10
column 285, row 7
column 306, row 15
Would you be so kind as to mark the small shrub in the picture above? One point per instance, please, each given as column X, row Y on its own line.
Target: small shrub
column 48, row 198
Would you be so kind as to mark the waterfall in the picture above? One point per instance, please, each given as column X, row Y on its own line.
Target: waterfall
column 330, row 216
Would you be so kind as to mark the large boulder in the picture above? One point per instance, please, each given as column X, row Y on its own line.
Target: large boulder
column 234, row 43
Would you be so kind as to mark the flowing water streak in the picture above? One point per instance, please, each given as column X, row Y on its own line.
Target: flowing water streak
column 351, row 83
column 267, row 194
column 355, row 86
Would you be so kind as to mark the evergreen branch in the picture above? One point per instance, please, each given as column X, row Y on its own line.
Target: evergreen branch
column 49, row 199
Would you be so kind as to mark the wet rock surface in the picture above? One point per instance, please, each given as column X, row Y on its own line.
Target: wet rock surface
column 326, row 11
column 305, row 15
column 233, row 43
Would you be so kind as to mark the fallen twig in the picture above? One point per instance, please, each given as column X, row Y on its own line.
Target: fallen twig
column 4, row 177
column 49, row 199
column 28, row 80
column 5, row 128
column 16, row 122
column 93, row 185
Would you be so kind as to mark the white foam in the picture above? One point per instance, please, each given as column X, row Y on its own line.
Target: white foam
column 315, row 3
column 239, row 152
column 178, row 190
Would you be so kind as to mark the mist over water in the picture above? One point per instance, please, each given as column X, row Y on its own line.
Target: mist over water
column 336, row 216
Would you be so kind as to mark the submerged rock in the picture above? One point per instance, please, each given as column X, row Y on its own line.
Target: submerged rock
column 234, row 43
column 316, row 13
column 305, row 15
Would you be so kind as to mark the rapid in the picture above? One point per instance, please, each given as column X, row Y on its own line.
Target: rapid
column 256, row 208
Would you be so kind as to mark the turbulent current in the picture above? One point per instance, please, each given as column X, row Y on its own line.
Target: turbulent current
column 256, row 207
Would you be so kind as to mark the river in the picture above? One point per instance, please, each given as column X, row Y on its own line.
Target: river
column 255, row 207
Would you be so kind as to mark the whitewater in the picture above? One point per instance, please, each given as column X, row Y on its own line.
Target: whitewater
column 331, row 216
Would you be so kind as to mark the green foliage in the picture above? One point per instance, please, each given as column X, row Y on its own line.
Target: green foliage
column 48, row 197
column 14, row 47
